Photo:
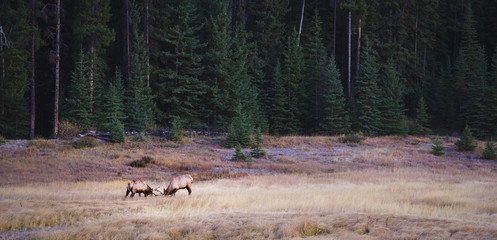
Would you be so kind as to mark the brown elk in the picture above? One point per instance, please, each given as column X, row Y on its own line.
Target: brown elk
column 138, row 186
column 180, row 182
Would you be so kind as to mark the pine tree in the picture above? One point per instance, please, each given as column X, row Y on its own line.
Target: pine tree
column 278, row 111
column 14, row 35
column 267, row 27
column 489, row 153
column 112, row 106
column 116, row 129
column 294, row 85
column 78, row 102
column 180, row 87
column 239, row 156
column 256, row 150
column 437, row 148
column 392, row 89
column 467, row 141
column 492, row 112
column 366, row 95
column 335, row 119
column 315, row 62
column 422, row 122
column 240, row 130
column 176, row 132
column 139, row 104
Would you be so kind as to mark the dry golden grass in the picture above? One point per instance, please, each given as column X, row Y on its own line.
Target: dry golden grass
column 353, row 204
column 307, row 187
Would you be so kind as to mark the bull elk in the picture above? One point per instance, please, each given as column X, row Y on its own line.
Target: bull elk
column 138, row 186
column 179, row 182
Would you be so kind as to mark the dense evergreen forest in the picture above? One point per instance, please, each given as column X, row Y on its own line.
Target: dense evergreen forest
column 286, row 67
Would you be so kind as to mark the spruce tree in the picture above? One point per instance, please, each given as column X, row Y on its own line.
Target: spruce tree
column 437, row 148
column 78, row 101
column 112, row 106
column 180, row 87
column 14, row 70
column 489, row 153
column 256, row 150
column 218, row 61
column 422, row 122
column 392, row 89
column 139, row 104
column 116, row 129
column 293, row 73
column 467, row 141
column 278, row 111
column 240, row 130
column 492, row 96
column 315, row 62
column 366, row 94
column 335, row 119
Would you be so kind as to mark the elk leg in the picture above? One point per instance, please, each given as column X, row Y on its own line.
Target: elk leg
column 127, row 192
column 189, row 190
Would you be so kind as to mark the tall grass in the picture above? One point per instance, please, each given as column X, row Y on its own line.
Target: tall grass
column 277, row 206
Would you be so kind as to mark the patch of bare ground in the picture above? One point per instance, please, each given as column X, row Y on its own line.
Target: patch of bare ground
column 305, row 187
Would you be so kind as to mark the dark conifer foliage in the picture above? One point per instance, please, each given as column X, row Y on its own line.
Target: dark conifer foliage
column 365, row 105
column 200, row 61
column 334, row 118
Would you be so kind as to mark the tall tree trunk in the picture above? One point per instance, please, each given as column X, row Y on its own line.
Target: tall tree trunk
column 127, row 38
column 334, row 27
column 301, row 21
column 91, row 50
column 147, row 41
column 33, row 74
column 349, row 53
column 3, row 41
column 57, row 67
column 358, row 60
column 416, row 42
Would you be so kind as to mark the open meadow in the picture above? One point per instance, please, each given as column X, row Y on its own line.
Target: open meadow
column 306, row 187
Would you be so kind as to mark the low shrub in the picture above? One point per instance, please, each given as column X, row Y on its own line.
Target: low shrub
column 68, row 130
column 85, row 142
column 351, row 138
column 143, row 162
column 2, row 140
column 41, row 143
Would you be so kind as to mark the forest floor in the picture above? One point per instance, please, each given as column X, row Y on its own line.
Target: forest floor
column 305, row 187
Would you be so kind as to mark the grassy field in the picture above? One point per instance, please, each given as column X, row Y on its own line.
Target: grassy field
column 306, row 187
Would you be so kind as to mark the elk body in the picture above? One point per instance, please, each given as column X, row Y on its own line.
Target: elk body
column 179, row 182
column 138, row 186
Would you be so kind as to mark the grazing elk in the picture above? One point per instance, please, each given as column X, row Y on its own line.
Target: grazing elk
column 138, row 186
column 180, row 182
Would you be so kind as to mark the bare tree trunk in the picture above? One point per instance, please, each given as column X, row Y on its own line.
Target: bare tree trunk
column 416, row 43
column 33, row 82
column 128, row 54
column 57, row 68
column 301, row 21
column 358, row 60
column 349, row 52
column 91, row 50
column 334, row 27
column 3, row 41
column 147, row 41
